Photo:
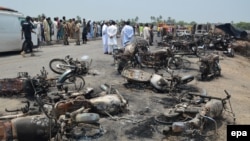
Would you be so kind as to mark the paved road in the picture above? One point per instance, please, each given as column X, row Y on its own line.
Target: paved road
column 13, row 63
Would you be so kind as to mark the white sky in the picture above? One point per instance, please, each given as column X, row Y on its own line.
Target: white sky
column 200, row 11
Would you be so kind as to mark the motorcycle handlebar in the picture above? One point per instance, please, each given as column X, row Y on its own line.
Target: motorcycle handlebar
column 212, row 97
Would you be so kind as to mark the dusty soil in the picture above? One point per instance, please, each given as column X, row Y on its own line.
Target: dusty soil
column 145, row 104
column 138, row 122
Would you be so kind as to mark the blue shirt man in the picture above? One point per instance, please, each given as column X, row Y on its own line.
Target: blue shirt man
column 127, row 34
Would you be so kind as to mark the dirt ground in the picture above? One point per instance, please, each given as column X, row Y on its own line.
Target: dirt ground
column 138, row 122
column 144, row 105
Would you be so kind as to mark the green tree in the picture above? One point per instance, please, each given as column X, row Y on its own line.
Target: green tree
column 181, row 23
column 243, row 25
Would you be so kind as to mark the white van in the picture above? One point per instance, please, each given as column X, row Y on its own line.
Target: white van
column 10, row 31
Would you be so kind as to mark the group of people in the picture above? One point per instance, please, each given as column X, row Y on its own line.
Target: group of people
column 62, row 29
column 109, row 32
column 109, row 35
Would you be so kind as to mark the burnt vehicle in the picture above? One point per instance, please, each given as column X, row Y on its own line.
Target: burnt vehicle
column 159, row 83
column 59, row 66
column 71, row 119
column 25, row 84
column 188, row 47
column 192, row 117
column 209, row 66
column 165, row 42
column 138, row 55
column 69, row 126
column 129, row 56
column 222, row 43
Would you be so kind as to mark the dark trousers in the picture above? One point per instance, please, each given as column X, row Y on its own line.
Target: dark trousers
column 84, row 37
column 27, row 45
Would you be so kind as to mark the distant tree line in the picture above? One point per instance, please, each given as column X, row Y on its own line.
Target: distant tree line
column 243, row 25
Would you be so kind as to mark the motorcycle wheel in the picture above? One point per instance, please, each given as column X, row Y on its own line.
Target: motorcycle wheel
column 175, row 63
column 57, row 65
column 74, row 83
column 201, row 52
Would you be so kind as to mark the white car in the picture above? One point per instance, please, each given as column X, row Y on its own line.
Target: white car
column 10, row 31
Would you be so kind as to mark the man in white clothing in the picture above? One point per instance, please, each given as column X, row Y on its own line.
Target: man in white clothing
column 55, row 24
column 112, row 40
column 146, row 33
column 105, row 37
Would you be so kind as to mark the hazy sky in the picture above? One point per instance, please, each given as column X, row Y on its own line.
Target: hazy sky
column 201, row 11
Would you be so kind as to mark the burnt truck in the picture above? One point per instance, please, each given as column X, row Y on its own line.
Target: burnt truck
column 223, row 29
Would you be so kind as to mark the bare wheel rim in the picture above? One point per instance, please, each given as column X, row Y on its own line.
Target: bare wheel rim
column 58, row 66
column 74, row 83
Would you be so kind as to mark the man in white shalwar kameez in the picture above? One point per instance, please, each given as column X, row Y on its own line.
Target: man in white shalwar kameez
column 112, row 40
column 127, row 34
column 55, row 24
column 105, row 37
column 146, row 33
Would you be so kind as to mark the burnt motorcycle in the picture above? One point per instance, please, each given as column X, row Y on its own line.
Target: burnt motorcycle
column 136, row 56
column 59, row 66
column 25, row 84
column 222, row 43
column 156, row 81
column 209, row 66
column 190, row 118
column 128, row 56
column 62, row 121
column 70, row 80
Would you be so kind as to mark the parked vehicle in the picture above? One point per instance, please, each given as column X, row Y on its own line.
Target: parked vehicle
column 10, row 31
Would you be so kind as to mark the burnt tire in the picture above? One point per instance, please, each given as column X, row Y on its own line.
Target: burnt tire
column 73, row 83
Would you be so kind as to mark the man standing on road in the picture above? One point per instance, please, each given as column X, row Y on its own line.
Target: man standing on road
column 65, row 33
column 77, row 32
column 127, row 34
column 46, row 30
column 27, row 28
column 84, row 32
column 112, row 41
column 105, row 37
column 146, row 33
